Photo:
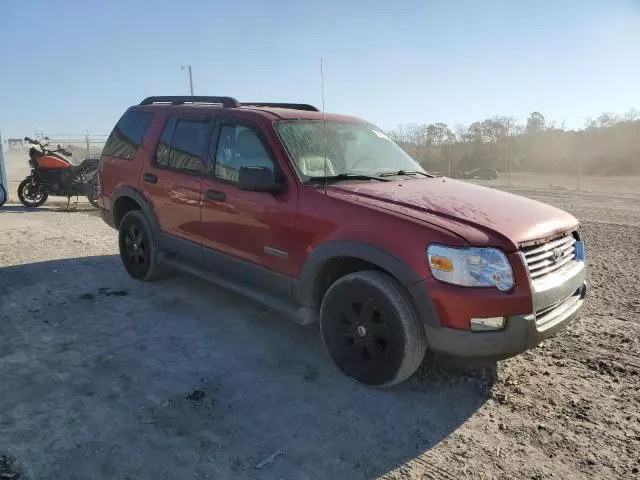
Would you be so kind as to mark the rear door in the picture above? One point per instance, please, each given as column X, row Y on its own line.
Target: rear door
column 173, row 180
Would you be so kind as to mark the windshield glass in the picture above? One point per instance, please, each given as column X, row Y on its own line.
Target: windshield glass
column 351, row 148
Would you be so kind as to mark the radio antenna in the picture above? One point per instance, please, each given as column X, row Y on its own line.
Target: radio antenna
column 324, row 125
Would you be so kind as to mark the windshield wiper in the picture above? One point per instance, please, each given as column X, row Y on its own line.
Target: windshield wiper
column 404, row 172
column 345, row 176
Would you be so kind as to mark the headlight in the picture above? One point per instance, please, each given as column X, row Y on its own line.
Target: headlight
column 470, row 267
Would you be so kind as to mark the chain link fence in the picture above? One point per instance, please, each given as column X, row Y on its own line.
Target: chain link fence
column 81, row 146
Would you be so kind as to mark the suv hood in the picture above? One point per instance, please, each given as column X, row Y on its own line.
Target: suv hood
column 482, row 216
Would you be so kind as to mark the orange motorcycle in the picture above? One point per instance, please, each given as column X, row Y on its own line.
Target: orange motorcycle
column 53, row 174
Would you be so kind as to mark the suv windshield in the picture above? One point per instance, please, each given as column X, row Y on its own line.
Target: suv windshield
column 351, row 148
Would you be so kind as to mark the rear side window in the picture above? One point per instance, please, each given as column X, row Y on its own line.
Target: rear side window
column 128, row 134
column 182, row 143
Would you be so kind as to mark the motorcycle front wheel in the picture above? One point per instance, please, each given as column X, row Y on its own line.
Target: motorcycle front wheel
column 30, row 193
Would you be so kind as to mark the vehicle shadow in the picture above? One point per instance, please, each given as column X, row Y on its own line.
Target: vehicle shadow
column 103, row 376
column 60, row 207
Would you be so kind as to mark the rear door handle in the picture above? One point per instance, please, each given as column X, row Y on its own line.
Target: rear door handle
column 150, row 178
column 216, row 195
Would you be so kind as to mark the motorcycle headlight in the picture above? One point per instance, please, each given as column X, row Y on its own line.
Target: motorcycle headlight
column 471, row 267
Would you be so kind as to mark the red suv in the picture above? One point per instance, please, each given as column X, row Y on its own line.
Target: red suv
column 323, row 217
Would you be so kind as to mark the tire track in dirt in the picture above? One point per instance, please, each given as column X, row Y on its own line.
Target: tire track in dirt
column 427, row 469
column 632, row 361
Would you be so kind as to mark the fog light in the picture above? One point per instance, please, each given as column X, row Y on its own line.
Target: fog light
column 486, row 324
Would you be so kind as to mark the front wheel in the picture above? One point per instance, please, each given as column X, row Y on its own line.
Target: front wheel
column 31, row 193
column 371, row 330
column 3, row 195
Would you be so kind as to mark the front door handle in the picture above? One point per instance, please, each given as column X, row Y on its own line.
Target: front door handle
column 216, row 195
column 150, row 178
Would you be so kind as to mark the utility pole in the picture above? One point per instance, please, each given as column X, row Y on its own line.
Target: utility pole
column 188, row 67
column 450, row 142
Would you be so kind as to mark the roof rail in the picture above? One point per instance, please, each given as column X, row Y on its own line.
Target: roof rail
column 293, row 106
column 228, row 102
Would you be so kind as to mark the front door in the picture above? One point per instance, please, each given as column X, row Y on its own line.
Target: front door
column 173, row 180
column 250, row 234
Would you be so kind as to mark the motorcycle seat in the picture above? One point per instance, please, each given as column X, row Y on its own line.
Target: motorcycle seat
column 84, row 164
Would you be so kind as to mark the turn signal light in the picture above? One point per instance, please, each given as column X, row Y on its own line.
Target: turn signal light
column 441, row 263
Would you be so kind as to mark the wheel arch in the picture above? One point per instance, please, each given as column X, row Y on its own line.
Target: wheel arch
column 125, row 199
column 333, row 260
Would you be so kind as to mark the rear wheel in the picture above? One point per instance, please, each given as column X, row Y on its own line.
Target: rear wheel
column 90, row 177
column 138, row 249
column 3, row 195
column 93, row 200
column 371, row 330
column 31, row 194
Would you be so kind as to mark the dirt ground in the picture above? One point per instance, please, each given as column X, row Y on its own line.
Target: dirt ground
column 103, row 377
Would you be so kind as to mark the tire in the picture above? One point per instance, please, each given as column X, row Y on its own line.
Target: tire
column 3, row 195
column 370, row 329
column 94, row 196
column 138, row 247
column 30, row 195
column 93, row 201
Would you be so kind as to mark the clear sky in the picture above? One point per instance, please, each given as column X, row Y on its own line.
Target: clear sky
column 68, row 66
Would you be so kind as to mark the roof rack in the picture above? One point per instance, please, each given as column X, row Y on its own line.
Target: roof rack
column 228, row 102
column 292, row 106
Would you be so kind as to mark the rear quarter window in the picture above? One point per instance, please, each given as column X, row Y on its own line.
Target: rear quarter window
column 128, row 134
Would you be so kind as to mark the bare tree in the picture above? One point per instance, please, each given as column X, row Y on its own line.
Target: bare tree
column 608, row 145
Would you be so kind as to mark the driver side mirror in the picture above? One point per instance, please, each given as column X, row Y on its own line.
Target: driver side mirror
column 258, row 179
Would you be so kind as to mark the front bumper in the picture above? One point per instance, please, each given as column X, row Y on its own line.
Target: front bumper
column 556, row 305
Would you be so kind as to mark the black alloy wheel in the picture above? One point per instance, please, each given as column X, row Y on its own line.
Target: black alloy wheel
column 370, row 329
column 134, row 246
column 362, row 327
column 138, row 251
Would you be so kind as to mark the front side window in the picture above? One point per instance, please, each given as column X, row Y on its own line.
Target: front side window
column 181, row 144
column 349, row 148
column 239, row 146
column 127, row 135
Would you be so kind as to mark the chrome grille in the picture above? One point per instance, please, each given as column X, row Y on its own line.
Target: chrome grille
column 549, row 257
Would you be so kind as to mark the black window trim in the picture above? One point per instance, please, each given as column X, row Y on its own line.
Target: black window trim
column 176, row 117
column 229, row 121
